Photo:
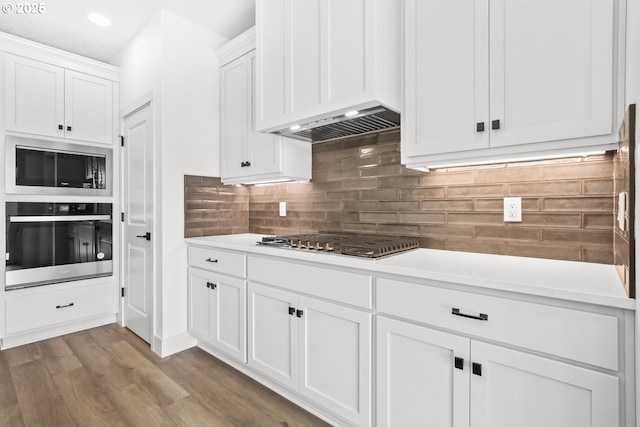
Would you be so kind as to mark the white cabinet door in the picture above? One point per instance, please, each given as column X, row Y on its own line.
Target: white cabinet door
column 88, row 108
column 235, row 127
column 417, row 379
column 34, row 97
column 519, row 389
column 229, row 314
column 446, row 76
column 551, row 70
column 200, row 305
column 335, row 358
column 273, row 334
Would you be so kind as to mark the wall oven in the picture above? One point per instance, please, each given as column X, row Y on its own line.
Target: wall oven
column 50, row 243
column 36, row 166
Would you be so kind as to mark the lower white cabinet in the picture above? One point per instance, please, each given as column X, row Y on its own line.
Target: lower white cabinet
column 429, row 377
column 217, row 311
column 319, row 349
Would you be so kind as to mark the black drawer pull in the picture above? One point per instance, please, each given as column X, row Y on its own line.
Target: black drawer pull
column 60, row 127
column 476, row 368
column 458, row 363
column 292, row 311
column 299, row 313
column 65, row 306
column 482, row 316
column 215, row 261
column 211, row 285
column 69, row 128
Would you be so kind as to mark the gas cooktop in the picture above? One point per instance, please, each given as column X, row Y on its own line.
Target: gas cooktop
column 361, row 246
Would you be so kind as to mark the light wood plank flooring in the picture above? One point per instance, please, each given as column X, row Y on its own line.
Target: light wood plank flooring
column 108, row 376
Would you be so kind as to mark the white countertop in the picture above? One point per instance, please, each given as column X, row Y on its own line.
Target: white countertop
column 567, row 280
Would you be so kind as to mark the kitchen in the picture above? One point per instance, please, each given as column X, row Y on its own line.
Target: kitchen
column 371, row 184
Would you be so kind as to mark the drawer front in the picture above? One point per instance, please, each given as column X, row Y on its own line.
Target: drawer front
column 341, row 286
column 218, row 261
column 53, row 307
column 573, row 334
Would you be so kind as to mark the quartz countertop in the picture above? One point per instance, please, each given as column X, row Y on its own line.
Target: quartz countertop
column 567, row 280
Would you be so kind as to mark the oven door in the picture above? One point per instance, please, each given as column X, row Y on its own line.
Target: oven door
column 43, row 250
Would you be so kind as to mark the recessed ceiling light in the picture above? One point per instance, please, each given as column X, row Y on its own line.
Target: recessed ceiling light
column 99, row 19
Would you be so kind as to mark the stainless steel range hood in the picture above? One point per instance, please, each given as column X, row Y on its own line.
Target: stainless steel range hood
column 369, row 120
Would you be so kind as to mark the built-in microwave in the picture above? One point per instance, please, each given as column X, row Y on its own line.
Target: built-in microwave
column 34, row 166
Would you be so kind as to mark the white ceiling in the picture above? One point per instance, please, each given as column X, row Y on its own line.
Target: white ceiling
column 64, row 23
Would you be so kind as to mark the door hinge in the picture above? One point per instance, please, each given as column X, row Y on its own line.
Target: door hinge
column 121, row 216
column 121, row 140
column 121, row 292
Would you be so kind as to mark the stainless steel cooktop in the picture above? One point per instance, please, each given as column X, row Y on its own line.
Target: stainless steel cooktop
column 361, row 246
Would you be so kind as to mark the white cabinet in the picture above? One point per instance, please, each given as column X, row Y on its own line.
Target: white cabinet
column 248, row 156
column 217, row 311
column 516, row 388
column 559, row 375
column 217, row 301
column 493, row 80
column 319, row 349
column 449, row 380
column 321, row 58
column 416, row 376
column 48, row 100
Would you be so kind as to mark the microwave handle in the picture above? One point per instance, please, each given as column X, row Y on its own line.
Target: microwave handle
column 69, row 218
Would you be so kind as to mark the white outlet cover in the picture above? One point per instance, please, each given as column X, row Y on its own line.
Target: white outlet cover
column 283, row 208
column 513, row 209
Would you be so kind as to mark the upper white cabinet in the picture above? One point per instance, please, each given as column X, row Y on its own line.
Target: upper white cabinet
column 248, row 156
column 319, row 58
column 491, row 80
column 48, row 100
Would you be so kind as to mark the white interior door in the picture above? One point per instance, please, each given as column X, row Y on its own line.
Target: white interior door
column 138, row 224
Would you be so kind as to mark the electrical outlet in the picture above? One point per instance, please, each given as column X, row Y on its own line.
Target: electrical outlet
column 283, row 208
column 512, row 209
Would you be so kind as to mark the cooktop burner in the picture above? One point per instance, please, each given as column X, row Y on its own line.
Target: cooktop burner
column 362, row 246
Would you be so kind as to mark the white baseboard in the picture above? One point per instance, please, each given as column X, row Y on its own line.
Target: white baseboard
column 55, row 331
column 164, row 347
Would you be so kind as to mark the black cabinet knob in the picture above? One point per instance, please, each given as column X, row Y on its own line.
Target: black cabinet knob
column 299, row 313
column 60, row 127
column 476, row 368
column 69, row 128
column 292, row 311
column 480, row 127
column 495, row 124
column 458, row 362
column 245, row 164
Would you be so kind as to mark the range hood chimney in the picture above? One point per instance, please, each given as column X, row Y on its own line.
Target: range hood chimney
column 369, row 120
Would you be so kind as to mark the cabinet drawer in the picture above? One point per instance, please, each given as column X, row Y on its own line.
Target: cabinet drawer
column 341, row 286
column 573, row 334
column 53, row 307
column 218, row 261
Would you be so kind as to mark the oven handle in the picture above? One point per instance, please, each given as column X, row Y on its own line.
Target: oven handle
column 45, row 218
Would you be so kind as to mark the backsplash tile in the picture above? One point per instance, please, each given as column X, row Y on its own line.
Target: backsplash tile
column 360, row 187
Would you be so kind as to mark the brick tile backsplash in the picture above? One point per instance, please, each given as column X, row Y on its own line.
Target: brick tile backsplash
column 359, row 186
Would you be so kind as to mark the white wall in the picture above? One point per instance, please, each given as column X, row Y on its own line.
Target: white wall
column 174, row 61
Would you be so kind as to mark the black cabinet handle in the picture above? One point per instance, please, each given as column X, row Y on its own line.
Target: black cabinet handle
column 64, row 306
column 211, row 285
column 476, row 368
column 299, row 313
column 495, row 124
column 458, row 362
column 245, row 164
column 60, row 127
column 69, row 128
column 292, row 310
column 215, row 261
column 482, row 316
column 480, row 127
column 146, row 236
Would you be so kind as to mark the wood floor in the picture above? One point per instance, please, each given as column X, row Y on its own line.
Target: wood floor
column 107, row 376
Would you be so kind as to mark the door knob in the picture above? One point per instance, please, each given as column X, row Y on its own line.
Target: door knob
column 146, row 236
